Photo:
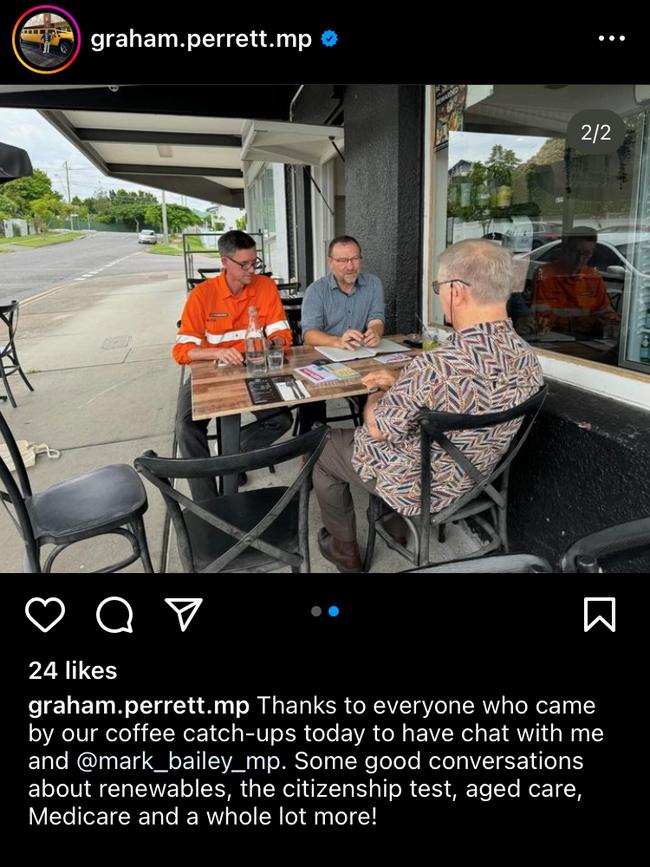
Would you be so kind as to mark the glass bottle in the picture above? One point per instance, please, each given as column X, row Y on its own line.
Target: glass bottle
column 255, row 344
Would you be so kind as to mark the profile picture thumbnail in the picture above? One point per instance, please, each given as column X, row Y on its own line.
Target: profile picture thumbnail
column 48, row 41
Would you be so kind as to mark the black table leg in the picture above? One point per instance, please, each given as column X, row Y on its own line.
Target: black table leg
column 229, row 445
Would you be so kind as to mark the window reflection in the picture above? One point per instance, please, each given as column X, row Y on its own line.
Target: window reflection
column 578, row 225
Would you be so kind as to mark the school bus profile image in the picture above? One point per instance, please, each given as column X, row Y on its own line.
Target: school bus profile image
column 61, row 38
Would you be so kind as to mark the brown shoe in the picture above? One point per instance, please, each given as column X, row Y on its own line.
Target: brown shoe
column 344, row 555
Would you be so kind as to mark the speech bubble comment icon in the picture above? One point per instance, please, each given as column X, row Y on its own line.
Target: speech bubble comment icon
column 115, row 614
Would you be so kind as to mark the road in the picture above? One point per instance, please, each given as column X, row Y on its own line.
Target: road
column 27, row 271
column 34, row 56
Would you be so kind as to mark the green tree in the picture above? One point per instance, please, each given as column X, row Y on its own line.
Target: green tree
column 178, row 217
column 241, row 223
column 48, row 208
column 24, row 191
column 7, row 210
column 7, row 207
column 98, row 204
column 131, row 197
column 500, row 165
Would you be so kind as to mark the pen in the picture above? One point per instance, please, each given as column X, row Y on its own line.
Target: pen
column 374, row 389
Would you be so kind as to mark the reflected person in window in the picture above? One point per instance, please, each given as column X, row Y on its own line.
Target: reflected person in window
column 569, row 296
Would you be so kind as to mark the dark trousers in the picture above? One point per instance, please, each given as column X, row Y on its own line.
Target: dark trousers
column 310, row 413
column 333, row 475
column 192, row 437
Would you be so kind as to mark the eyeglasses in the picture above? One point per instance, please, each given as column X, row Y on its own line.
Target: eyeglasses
column 246, row 266
column 353, row 260
column 438, row 283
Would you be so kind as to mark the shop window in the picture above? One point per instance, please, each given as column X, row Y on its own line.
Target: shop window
column 579, row 225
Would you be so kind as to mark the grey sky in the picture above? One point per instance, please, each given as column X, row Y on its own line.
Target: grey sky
column 48, row 150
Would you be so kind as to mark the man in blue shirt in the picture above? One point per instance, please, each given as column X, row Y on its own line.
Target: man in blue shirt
column 343, row 309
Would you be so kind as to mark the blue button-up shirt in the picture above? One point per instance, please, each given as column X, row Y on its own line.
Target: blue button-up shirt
column 329, row 309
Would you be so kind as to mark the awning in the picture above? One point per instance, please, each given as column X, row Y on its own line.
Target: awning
column 202, row 157
column 197, row 141
column 297, row 143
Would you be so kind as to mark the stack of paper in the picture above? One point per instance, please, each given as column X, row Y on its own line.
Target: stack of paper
column 336, row 354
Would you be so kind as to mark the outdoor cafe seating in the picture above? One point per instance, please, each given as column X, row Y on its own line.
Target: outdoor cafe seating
column 485, row 504
column 257, row 530
column 108, row 500
column 9, row 362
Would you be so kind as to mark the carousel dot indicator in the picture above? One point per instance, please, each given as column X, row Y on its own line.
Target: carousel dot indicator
column 316, row 611
column 333, row 611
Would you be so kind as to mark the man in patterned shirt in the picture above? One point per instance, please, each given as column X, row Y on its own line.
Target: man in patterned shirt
column 484, row 366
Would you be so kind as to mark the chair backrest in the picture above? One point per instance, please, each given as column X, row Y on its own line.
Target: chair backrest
column 289, row 287
column 159, row 471
column 8, row 315
column 583, row 555
column 501, row 564
column 14, row 495
column 435, row 425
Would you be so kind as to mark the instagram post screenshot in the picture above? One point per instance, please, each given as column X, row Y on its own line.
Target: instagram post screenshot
column 337, row 380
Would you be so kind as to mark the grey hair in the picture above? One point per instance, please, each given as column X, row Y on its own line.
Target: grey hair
column 486, row 266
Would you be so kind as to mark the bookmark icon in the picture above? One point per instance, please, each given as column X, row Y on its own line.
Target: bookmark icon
column 185, row 609
column 593, row 606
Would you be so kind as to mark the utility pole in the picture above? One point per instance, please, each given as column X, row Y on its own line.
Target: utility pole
column 164, row 220
column 67, row 180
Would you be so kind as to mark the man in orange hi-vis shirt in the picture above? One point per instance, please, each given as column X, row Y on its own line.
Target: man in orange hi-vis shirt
column 568, row 295
column 213, row 326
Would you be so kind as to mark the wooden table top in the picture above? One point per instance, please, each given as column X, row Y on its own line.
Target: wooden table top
column 221, row 391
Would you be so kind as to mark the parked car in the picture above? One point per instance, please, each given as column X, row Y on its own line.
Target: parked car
column 147, row 236
column 493, row 229
column 640, row 227
column 530, row 236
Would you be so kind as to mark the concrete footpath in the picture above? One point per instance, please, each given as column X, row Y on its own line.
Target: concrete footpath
column 98, row 356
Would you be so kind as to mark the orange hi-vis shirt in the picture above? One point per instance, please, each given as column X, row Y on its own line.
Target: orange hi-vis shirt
column 558, row 294
column 214, row 318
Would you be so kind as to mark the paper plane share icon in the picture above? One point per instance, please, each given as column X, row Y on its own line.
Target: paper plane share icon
column 185, row 608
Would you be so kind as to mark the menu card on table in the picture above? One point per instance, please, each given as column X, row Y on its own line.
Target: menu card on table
column 326, row 374
column 276, row 389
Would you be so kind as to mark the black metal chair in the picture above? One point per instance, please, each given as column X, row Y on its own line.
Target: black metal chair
column 293, row 308
column 585, row 554
column 207, row 273
column 9, row 316
column 485, row 504
column 258, row 530
column 103, row 501
column 502, row 564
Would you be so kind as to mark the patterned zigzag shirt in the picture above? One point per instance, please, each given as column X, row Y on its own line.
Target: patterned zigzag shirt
column 484, row 368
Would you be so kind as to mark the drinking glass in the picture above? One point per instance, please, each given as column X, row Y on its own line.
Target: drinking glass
column 429, row 340
column 275, row 356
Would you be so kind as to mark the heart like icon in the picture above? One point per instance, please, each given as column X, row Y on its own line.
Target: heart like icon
column 37, row 602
